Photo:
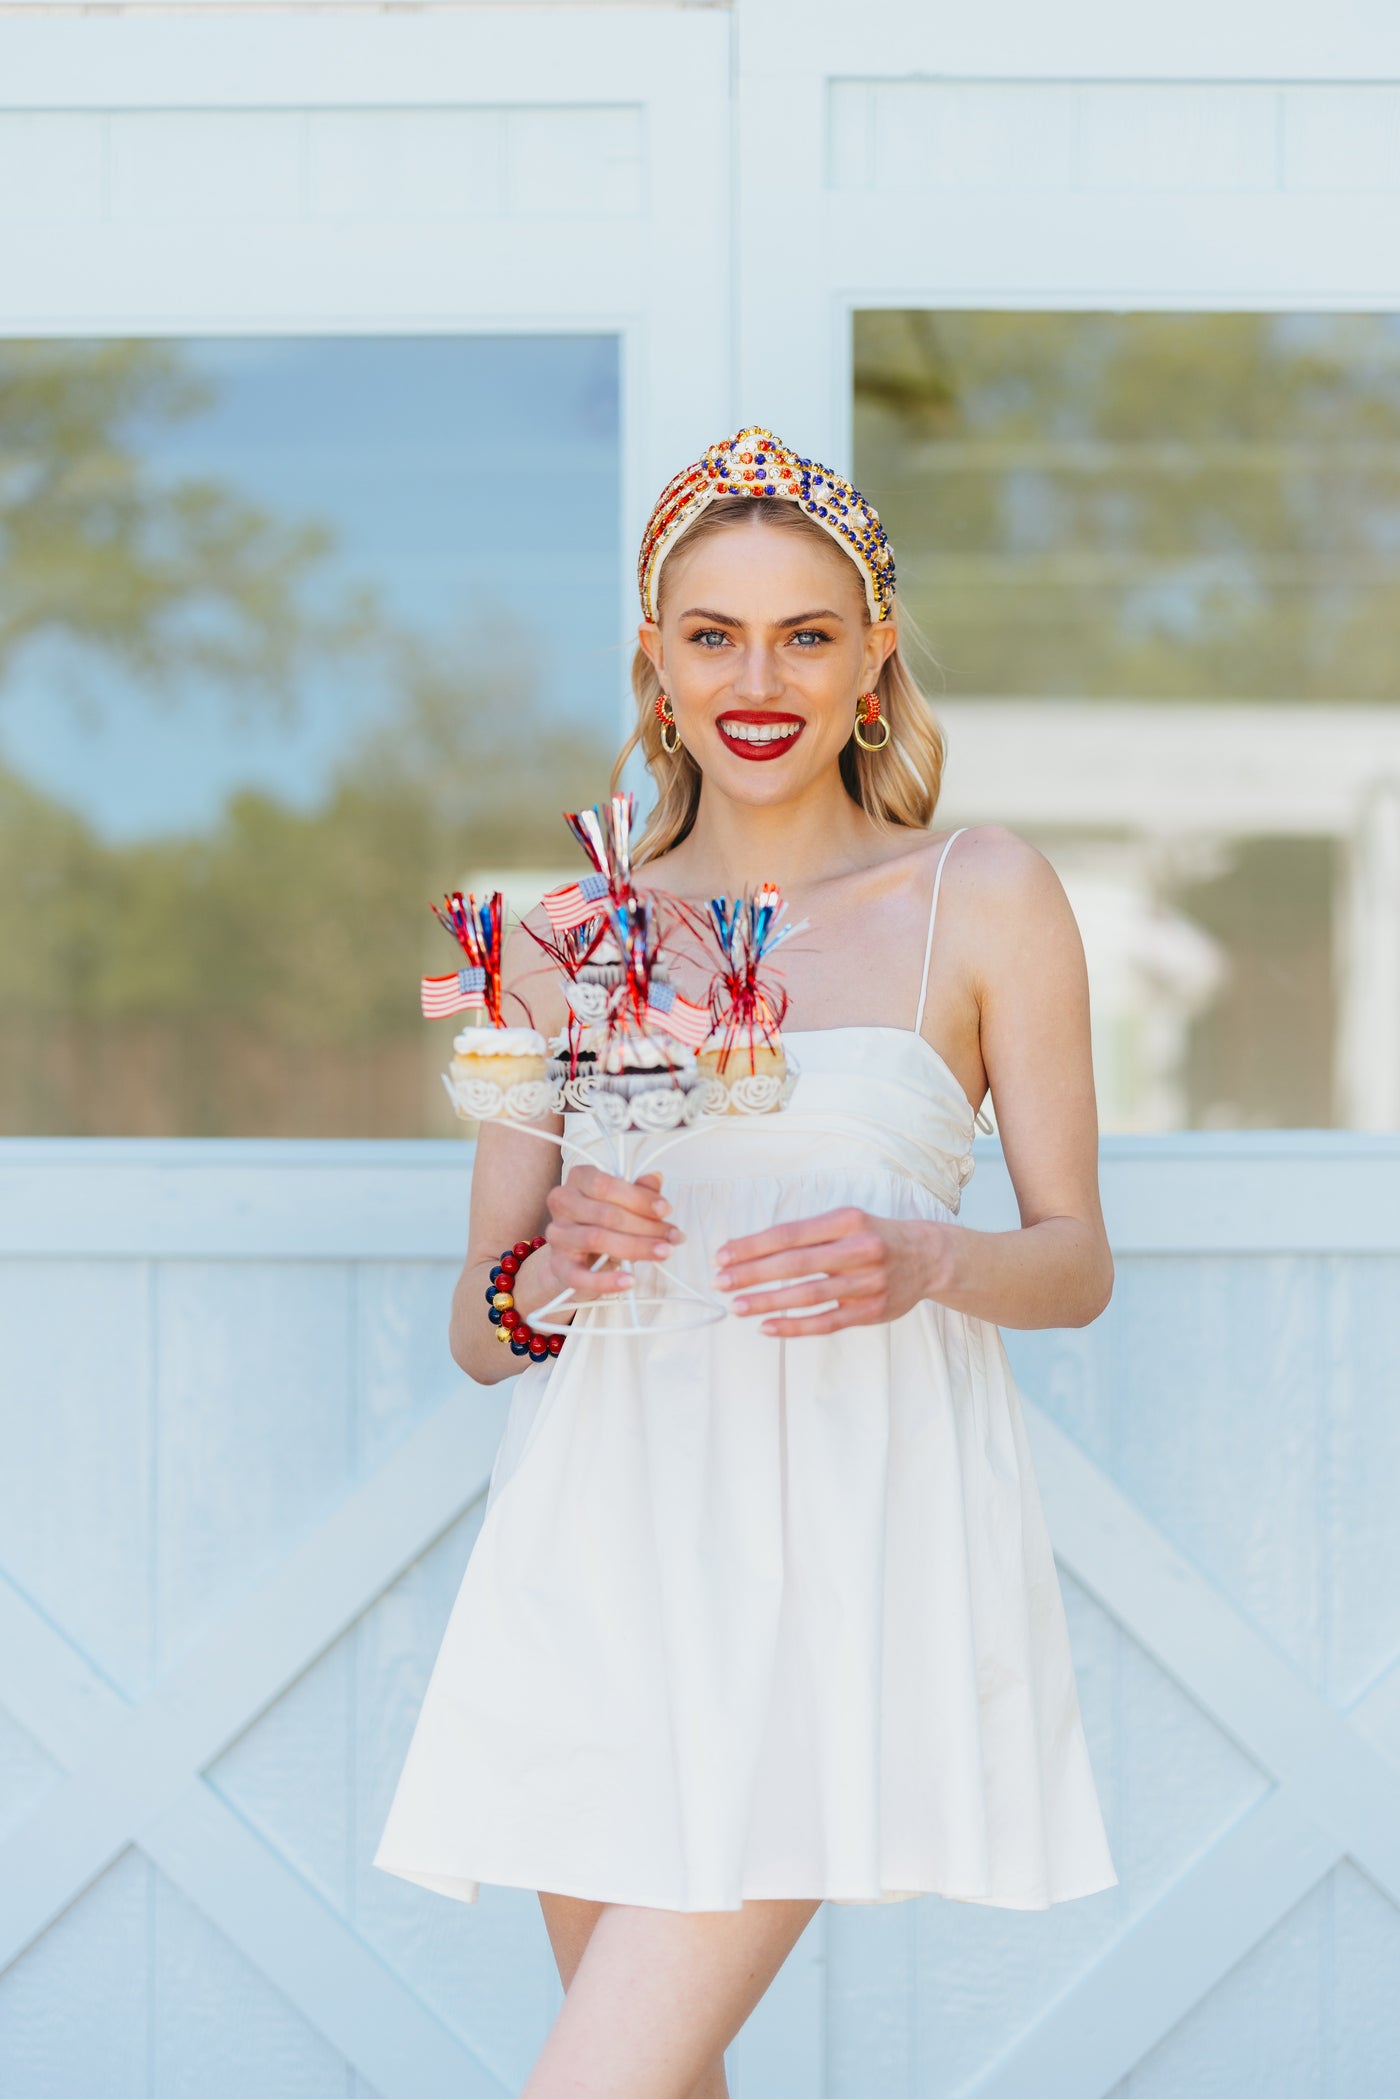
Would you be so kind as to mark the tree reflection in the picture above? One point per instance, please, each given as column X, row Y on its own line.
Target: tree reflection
column 1150, row 505
column 259, row 978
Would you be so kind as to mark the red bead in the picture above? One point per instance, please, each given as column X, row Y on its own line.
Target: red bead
column 520, row 1249
column 556, row 1342
column 536, row 1244
column 509, row 1263
column 510, row 1318
column 539, row 1346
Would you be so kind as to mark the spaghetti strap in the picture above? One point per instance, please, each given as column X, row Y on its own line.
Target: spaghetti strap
column 932, row 916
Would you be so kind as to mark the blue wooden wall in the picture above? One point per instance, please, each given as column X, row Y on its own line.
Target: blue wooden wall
column 239, row 1481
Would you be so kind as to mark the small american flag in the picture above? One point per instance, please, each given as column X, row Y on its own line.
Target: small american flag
column 453, row 994
column 677, row 1016
column 576, row 902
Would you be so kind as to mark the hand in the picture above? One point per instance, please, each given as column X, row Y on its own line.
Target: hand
column 593, row 1213
column 876, row 1268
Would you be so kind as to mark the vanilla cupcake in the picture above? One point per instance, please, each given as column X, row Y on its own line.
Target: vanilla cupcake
column 503, row 1057
column 733, row 1058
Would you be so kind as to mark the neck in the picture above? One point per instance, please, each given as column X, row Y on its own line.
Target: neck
column 792, row 843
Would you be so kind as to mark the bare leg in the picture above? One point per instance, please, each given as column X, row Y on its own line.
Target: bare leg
column 570, row 1923
column 657, row 1996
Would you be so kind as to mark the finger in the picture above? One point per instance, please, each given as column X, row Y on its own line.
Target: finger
column 613, row 1218
column 578, row 1240
column 585, row 1280
column 804, row 1231
column 596, row 1186
column 838, row 1257
column 820, row 1290
column 817, row 1323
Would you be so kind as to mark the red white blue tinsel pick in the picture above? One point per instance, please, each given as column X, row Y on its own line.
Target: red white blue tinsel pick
column 478, row 927
column 748, row 930
column 605, row 833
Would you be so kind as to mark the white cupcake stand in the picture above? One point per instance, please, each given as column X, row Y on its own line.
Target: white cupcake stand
column 628, row 1126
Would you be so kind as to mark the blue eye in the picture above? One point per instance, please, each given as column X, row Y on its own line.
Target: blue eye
column 805, row 634
column 708, row 635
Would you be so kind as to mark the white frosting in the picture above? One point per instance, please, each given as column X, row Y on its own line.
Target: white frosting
column 630, row 1052
column 499, row 1042
column 738, row 1043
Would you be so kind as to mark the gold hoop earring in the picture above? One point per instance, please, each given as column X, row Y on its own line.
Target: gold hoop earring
column 666, row 715
column 868, row 716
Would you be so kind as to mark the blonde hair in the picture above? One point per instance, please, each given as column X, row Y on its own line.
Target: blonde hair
column 896, row 785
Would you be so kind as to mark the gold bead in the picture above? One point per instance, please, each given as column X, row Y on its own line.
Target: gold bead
column 502, row 1301
column 503, row 1333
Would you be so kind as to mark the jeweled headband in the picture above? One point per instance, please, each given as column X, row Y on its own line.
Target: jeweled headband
column 755, row 464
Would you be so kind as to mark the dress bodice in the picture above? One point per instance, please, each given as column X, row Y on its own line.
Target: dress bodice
column 866, row 1096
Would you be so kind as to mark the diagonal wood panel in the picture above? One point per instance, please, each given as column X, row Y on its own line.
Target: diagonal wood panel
column 133, row 1772
column 133, row 1776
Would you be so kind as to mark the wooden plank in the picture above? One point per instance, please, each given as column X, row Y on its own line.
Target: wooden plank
column 1274, row 1191
column 364, row 2010
column 1166, row 1960
column 1349, row 1788
column 119, row 1776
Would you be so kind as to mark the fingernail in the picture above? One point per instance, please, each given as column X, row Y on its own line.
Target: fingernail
column 723, row 1281
column 661, row 1251
column 661, row 1209
column 741, row 1304
column 722, row 1257
column 677, row 1235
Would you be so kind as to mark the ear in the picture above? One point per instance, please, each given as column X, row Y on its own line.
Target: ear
column 881, row 641
column 649, row 642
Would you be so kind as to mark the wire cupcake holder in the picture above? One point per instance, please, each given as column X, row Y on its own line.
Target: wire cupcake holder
column 627, row 1126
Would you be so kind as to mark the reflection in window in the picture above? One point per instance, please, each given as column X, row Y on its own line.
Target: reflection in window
column 293, row 635
column 1190, row 522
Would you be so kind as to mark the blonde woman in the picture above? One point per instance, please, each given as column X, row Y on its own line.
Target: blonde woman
column 766, row 1615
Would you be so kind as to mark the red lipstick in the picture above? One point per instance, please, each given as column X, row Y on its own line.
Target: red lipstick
column 737, row 728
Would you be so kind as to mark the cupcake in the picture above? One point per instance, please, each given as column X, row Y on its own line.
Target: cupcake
column 745, row 1067
column 727, row 1056
column 597, row 983
column 632, row 1063
column 503, row 1057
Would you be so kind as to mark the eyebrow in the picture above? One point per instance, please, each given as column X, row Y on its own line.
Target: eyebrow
column 726, row 619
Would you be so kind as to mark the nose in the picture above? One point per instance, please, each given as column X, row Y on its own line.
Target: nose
column 758, row 675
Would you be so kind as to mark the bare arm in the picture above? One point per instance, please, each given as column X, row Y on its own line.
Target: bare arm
column 1028, row 978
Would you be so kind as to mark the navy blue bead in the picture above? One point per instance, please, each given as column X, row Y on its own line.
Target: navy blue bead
column 494, row 1316
column 520, row 1348
column 490, row 1292
column 496, row 1271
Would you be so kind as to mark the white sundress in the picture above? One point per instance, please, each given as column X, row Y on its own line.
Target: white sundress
column 756, row 1618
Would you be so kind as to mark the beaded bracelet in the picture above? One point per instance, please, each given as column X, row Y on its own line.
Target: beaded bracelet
column 501, row 1312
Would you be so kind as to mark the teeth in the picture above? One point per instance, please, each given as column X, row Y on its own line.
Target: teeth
column 764, row 732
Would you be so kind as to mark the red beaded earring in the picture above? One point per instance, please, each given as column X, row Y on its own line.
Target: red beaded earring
column 666, row 715
column 868, row 716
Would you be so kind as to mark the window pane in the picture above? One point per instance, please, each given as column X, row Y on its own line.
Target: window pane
column 1158, row 560
column 293, row 636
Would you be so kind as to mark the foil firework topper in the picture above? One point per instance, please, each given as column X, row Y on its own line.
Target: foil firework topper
column 607, row 902
column 478, row 929
column 748, row 930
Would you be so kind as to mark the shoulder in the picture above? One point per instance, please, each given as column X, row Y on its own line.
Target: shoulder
column 992, row 862
column 1003, row 892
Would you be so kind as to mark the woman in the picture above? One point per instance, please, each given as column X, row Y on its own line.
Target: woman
column 766, row 1614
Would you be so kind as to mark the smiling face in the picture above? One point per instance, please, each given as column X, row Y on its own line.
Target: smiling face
column 764, row 645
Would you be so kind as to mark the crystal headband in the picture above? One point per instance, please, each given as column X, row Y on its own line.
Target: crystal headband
column 754, row 463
